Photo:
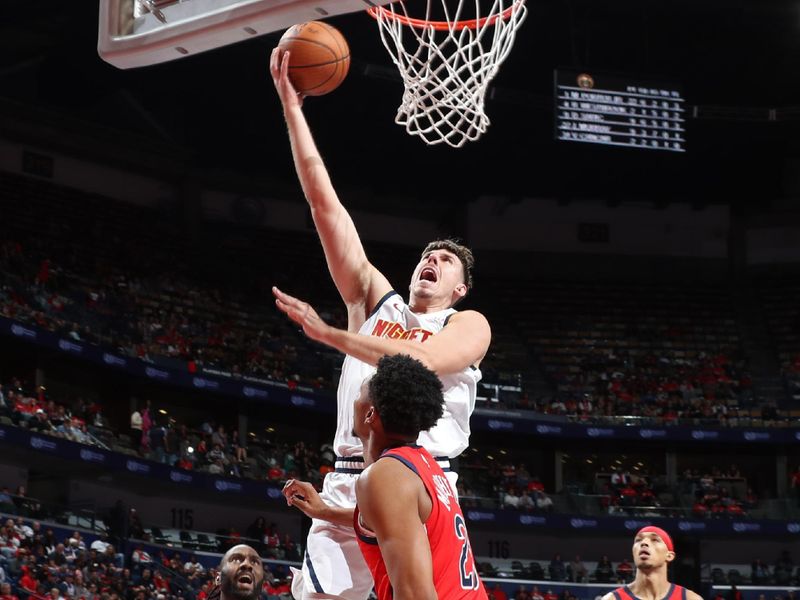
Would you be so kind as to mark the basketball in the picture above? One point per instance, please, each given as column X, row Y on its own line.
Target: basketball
column 319, row 57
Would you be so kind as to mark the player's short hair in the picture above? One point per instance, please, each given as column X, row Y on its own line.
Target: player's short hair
column 407, row 395
column 463, row 253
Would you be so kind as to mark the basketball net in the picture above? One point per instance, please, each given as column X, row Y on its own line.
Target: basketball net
column 447, row 65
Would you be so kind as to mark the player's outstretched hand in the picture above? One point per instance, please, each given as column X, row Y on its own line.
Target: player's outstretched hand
column 279, row 69
column 303, row 495
column 301, row 313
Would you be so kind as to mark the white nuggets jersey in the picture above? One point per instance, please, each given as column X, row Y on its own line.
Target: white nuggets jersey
column 393, row 318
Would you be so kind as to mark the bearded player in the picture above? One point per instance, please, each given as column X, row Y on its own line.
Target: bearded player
column 241, row 575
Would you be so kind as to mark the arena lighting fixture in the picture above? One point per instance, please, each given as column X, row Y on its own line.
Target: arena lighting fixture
column 190, row 450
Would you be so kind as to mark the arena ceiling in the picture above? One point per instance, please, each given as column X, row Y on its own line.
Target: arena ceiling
column 735, row 59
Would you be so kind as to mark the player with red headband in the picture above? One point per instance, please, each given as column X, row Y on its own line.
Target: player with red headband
column 652, row 552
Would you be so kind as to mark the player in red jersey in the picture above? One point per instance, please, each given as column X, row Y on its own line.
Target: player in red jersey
column 410, row 527
column 652, row 552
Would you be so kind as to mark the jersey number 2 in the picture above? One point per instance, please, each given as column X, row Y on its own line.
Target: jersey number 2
column 466, row 565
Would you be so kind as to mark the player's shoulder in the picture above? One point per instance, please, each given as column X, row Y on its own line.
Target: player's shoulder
column 385, row 470
column 469, row 317
column 387, row 481
column 690, row 595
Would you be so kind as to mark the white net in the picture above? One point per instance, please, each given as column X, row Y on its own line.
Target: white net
column 447, row 65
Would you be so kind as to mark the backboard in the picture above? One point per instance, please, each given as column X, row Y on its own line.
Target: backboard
column 137, row 33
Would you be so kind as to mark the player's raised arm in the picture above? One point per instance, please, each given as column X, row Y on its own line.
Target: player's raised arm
column 359, row 283
column 389, row 503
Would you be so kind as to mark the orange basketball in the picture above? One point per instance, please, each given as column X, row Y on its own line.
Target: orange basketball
column 319, row 57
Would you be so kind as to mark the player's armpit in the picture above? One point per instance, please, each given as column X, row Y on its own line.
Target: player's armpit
column 388, row 499
column 375, row 286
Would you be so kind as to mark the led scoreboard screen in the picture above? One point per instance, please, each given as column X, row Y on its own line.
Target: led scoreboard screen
column 596, row 108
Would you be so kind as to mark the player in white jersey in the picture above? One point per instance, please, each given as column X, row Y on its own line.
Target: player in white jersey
column 451, row 343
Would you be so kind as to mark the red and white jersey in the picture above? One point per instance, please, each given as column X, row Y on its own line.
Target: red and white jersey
column 675, row 592
column 454, row 574
column 393, row 318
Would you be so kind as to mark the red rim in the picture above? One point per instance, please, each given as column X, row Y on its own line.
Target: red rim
column 376, row 11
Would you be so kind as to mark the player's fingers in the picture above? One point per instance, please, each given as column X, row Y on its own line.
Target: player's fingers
column 285, row 65
column 304, row 487
column 301, row 505
column 273, row 62
column 285, row 78
column 276, row 68
column 291, row 311
column 281, row 306
column 289, row 299
column 294, row 490
column 281, row 295
column 291, row 302
column 290, row 498
column 286, row 303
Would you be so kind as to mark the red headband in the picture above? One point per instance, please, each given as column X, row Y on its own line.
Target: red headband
column 660, row 533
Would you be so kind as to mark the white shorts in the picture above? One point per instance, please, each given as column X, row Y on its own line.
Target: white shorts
column 333, row 566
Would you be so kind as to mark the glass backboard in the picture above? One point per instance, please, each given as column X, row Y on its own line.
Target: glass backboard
column 137, row 33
